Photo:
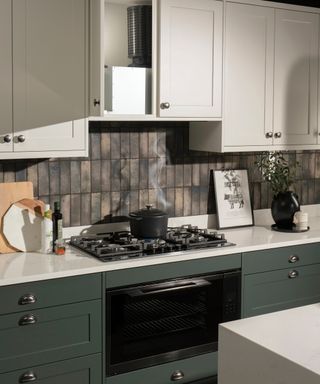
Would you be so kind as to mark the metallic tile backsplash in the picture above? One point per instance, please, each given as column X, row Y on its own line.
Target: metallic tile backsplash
column 133, row 163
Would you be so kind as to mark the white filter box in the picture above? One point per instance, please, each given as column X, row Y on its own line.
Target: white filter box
column 128, row 90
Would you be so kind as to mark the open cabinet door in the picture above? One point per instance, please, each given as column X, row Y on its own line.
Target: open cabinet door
column 96, row 89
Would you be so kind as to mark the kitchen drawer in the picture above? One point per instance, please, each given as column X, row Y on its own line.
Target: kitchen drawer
column 278, row 258
column 83, row 370
column 126, row 277
column 48, row 293
column 275, row 290
column 195, row 368
column 52, row 334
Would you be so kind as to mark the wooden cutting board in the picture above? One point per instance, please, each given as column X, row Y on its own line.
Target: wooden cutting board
column 9, row 194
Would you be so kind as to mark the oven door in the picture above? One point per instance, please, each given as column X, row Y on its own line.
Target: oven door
column 156, row 323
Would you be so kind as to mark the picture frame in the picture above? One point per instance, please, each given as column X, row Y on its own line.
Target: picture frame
column 232, row 195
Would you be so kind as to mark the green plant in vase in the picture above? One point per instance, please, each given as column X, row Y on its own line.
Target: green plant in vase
column 276, row 170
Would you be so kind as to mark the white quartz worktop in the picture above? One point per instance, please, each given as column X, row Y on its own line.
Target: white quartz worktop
column 279, row 348
column 26, row 267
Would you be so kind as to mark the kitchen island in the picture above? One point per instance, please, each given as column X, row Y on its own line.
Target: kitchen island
column 279, row 348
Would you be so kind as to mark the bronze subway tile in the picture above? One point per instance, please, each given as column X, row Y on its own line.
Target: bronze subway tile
column 75, row 176
column 203, row 200
column 153, row 197
column 204, row 174
column 124, row 145
column 85, row 209
column 115, row 144
column 187, row 203
column 54, row 177
column 153, row 144
column 162, row 172
column 143, row 198
column 65, row 210
column 65, row 178
column 96, row 176
column 195, row 174
column 134, row 145
column 161, row 143
column 171, row 202
column 106, row 206
column 115, row 175
column 134, row 174
column 143, row 172
column 316, row 191
column 105, row 145
column 125, row 175
column 317, row 165
column 178, row 175
column 187, row 175
column 153, row 173
column 43, row 178
column 85, row 176
column 178, row 201
column 75, row 210
column 143, row 144
column 95, row 145
column 9, row 172
column 124, row 203
column 115, row 204
column 105, row 175
column 95, row 208
column 134, row 200
column 195, row 200
column 21, row 170
column 170, row 175
column 162, row 199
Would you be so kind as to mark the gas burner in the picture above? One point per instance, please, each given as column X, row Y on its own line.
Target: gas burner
column 122, row 245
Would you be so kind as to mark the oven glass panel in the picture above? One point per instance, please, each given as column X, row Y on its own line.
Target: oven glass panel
column 163, row 322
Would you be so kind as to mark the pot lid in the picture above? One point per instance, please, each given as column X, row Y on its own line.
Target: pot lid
column 148, row 211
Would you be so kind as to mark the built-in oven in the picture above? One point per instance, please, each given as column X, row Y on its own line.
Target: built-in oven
column 169, row 320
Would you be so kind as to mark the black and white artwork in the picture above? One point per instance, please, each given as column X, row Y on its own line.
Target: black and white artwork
column 233, row 198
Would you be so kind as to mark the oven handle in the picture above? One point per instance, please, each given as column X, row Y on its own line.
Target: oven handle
column 168, row 287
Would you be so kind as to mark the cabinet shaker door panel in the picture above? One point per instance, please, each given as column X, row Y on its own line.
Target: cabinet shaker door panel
column 190, row 58
column 49, row 62
column 5, row 76
column 296, row 76
column 248, row 75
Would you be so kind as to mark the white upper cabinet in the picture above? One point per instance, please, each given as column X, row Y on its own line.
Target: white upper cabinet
column 5, row 77
column 44, row 78
column 296, row 78
column 249, row 58
column 190, row 58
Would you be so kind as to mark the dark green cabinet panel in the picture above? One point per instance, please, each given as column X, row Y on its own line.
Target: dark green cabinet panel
column 279, row 258
column 52, row 334
column 49, row 293
column 138, row 275
column 193, row 369
column 83, row 370
column 275, row 290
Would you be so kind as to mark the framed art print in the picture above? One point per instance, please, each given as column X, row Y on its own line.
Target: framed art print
column 233, row 198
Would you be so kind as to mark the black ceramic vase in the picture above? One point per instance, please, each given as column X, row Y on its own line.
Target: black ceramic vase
column 284, row 206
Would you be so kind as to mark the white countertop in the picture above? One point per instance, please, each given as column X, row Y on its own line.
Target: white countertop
column 279, row 347
column 25, row 267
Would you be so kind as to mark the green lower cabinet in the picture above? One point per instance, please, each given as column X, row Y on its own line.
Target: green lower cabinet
column 51, row 334
column 83, row 370
column 282, row 289
column 192, row 369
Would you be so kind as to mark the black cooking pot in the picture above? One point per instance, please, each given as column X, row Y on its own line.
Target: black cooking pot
column 148, row 223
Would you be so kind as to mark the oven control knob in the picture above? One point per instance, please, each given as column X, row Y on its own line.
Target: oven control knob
column 177, row 375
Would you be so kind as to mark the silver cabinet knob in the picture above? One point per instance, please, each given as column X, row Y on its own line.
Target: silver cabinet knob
column 293, row 274
column 177, row 375
column 7, row 139
column 277, row 135
column 29, row 298
column 21, row 138
column 269, row 135
column 28, row 377
column 96, row 102
column 293, row 259
column 165, row 105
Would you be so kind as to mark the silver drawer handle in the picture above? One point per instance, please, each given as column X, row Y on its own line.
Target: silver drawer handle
column 29, row 298
column 177, row 375
column 293, row 274
column 28, row 320
column 28, row 377
column 293, row 259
